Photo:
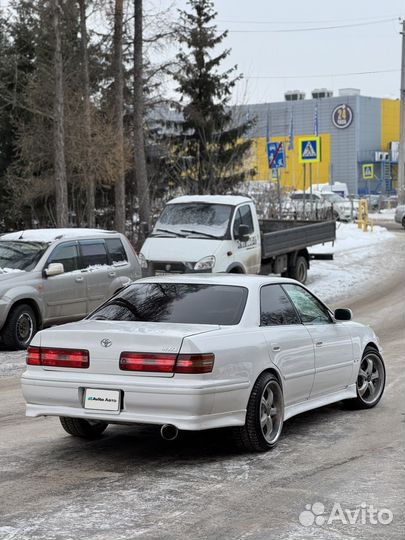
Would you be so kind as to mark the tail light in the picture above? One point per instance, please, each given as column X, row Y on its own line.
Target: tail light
column 167, row 363
column 68, row 358
column 33, row 356
column 163, row 363
column 195, row 363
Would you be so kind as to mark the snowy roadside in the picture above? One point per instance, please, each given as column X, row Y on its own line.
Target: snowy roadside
column 361, row 262
column 388, row 214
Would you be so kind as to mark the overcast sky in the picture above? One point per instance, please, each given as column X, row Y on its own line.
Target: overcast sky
column 261, row 51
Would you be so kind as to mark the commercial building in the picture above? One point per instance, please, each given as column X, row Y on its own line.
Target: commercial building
column 358, row 139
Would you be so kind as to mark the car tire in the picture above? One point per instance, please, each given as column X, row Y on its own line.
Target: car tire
column 403, row 222
column 20, row 327
column 85, row 429
column 300, row 269
column 371, row 369
column 262, row 429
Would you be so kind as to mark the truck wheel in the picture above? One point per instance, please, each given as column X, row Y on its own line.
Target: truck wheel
column 300, row 270
column 85, row 429
column 20, row 327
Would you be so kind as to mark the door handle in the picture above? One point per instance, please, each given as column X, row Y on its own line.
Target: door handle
column 78, row 279
column 319, row 343
column 112, row 274
column 276, row 348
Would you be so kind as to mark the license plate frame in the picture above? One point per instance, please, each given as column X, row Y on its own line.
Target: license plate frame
column 102, row 400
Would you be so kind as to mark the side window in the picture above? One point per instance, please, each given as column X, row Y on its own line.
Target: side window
column 115, row 250
column 246, row 215
column 243, row 216
column 236, row 223
column 309, row 308
column 67, row 254
column 93, row 253
column 275, row 307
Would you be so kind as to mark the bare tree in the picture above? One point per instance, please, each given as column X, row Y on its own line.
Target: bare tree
column 58, row 123
column 138, row 123
column 88, row 169
column 117, row 69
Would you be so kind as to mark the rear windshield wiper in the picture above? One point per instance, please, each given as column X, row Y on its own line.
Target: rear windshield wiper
column 200, row 232
column 170, row 232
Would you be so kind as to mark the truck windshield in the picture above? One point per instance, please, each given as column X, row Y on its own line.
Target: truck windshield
column 184, row 219
column 20, row 255
column 176, row 303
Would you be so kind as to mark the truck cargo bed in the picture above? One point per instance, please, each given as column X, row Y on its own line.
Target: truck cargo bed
column 283, row 236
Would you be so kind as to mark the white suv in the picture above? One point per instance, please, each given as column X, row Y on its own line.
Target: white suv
column 52, row 276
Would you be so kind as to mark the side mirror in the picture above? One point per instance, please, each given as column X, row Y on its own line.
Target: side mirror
column 243, row 233
column 343, row 314
column 54, row 269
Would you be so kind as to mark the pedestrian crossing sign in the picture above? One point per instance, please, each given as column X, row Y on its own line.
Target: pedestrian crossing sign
column 368, row 171
column 309, row 150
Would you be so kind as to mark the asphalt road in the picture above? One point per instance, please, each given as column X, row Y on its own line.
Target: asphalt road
column 131, row 484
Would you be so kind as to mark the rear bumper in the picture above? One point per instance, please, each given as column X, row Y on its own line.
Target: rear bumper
column 202, row 405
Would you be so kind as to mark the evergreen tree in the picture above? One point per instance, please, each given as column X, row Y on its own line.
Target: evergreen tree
column 209, row 149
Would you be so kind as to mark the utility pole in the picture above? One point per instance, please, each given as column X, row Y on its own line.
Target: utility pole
column 401, row 161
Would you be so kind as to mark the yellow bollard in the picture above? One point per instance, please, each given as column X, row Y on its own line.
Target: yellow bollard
column 363, row 221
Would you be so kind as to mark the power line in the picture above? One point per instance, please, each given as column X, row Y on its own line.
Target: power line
column 322, row 21
column 312, row 29
column 323, row 76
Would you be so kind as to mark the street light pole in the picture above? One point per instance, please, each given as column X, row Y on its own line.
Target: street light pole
column 401, row 161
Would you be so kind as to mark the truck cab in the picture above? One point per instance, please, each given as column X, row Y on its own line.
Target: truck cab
column 221, row 233
column 204, row 234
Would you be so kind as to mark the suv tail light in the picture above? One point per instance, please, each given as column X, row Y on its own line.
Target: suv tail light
column 167, row 363
column 70, row 358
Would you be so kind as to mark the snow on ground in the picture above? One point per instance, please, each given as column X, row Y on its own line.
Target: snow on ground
column 361, row 261
column 384, row 215
column 12, row 363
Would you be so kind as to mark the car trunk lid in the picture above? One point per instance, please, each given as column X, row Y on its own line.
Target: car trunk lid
column 106, row 340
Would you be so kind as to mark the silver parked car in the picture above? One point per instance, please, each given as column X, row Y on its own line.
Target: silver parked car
column 52, row 276
column 400, row 215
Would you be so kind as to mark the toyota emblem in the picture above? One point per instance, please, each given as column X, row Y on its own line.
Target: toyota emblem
column 106, row 342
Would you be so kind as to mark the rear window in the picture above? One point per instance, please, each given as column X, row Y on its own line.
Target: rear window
column 176, row 303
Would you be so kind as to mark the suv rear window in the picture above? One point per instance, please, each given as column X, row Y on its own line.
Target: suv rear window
column 176, row 303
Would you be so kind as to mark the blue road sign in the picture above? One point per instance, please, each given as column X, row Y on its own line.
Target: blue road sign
column 276, row 155
column 309, row 149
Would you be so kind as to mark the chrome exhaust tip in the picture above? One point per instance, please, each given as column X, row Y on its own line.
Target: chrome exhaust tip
column 168, row 432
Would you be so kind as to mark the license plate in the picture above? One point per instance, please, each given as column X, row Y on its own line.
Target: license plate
column 101, row 400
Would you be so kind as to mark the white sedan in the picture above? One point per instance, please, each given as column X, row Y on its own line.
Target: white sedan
column 200, row 352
